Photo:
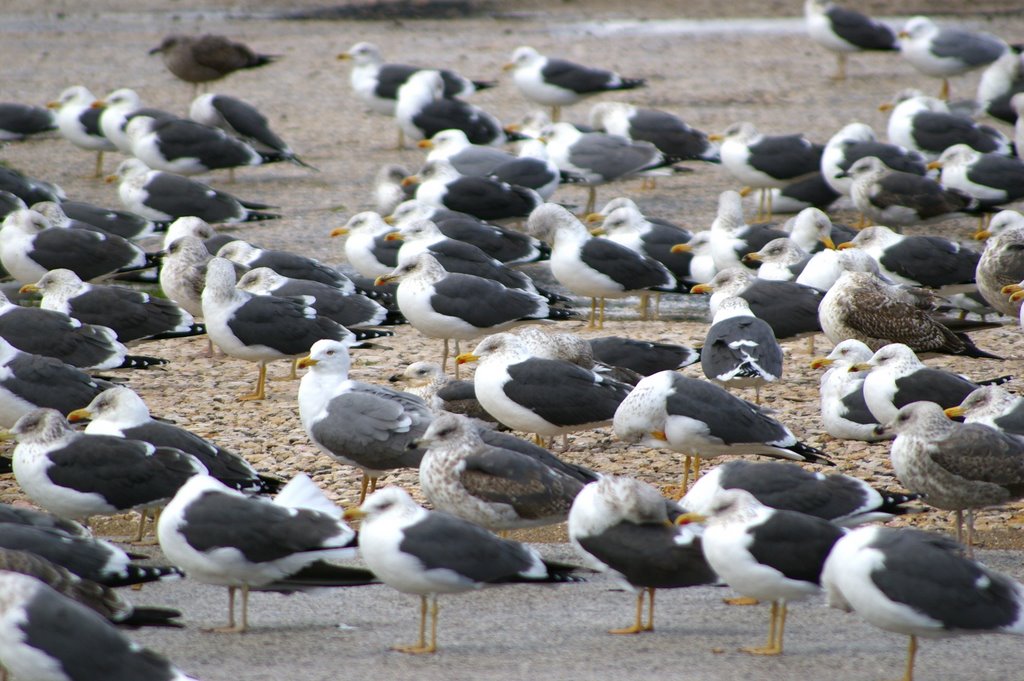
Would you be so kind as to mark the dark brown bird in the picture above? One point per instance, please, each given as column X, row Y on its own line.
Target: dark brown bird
column 200, row 59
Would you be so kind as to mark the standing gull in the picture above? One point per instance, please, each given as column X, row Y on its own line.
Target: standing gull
column 222, row 537
column 779, row 260
column 200, row 59
column 453, row 145
column 944, row 52
column 423, row 111
column 428, row 553
column 765, row 554
column 367, row 426
column 79, row 122
column 558, row 82
column 670, row 411
column 842, row 31
column 285, row 263
column 19, row 121
column 740, row 349
column 918, row 584
column 622, row 525
column 956, row 466
column 643, row 357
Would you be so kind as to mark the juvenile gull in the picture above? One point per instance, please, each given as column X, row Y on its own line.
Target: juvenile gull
column 121, row 413
column 992, row 406
column 377, row 83
column 558, row 82
column 164, row 196
column 844, row 412
column 740, row 349
column 926, row 125
column 30, row 246
column 622, row 526
column 840, row 499
column 79, row 122
column 547, row 397
column 422, row 111
column 18, row 121
column 843, row 31
column 200, row 59
column 220, row 536
column 77, row 476
column 428, row 381
column 367, row 247
column 674, row 138
column 440, row 184
column 919, row 584
column 29, row 381
column 697, row 418
column 44, row 635
column 920, row 260
column 183, row 273
column 491, row 486
column 132, row 314
column 1001, row 265
column 944, row 52
column 428, row 553
column 367, row 426
column 765, row 553
column 598, row 268
column 956, row 466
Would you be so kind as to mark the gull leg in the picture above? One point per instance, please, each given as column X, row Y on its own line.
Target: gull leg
column 908, row 671
column 638, row 625
column 99, row 164
column 401, row 138
column 373, row 484
column 970, row 533
column 141, row 531
column 556, row 113
column 650, row 609
column 444, row 356
column 600, row 323
column 645, row 304
column 362, row 488
column 230, row 627
column 422, row 646
column 593, row 313
column 810, row 345
column 944, row 92
column 840, row 67
column 741, row 600
column 772, row 647
column 960, row 527
column 457, row 353
column 768, row 201
column 657, row 306
column 261, row 386
column 292, row 374
column 757, row 394
column 591, row 199
column 686, row 475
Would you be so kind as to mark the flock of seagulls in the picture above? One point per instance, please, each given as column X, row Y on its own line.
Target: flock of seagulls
column 452, row 253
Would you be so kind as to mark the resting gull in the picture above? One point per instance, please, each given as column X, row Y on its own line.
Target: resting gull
column 993, row 179
column 622, row 526
column 428, row 381
column 842, row 31
column 779, row 260
column 11, row 514
column 120, row 222
column 641, row 356
column 1000, row 81
column 157, row 195
column 674, row 138
column 944, row 52
column 120, row 412
column 919, row 584
column 367, row 247
column 29, row 189
column 534, row 169
column 79, row 122
column 202, row 58
column 732, row 237
column 220, row 536
column 558, row 82
column 132, row 314
column 453, row 145
column 765, row 553
column 485, row 198
column 422, row 111
column 993, row 406
column 856, row 141
column 120, row 106
column 367, row 426
column 956, row 466
column 1001, row 265
column 926, row 125
column 697, row 418
column 428, row 553
column 840, row 499
column 920, row 260
column 19, row 121
column 487, row 484
column 45, row 635
column 844, row 412
column 740, row 349
column 376, row 82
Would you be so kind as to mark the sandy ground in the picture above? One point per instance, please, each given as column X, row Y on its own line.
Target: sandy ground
column 713, row 72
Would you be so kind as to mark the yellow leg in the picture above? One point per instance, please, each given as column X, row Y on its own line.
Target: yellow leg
column 908, row 671
column 141, row 532
column 757, row 394
column 638, row 624
column 556, row 113
column 261, row 386
column 373, row 484
column 774, row 647
column 591, row 200
column 99, row 164
column 944, row 92
column 362, row 488
column 840, row 67
column 444, row 357
column 686, row 475
column 645, row 304
column 600, row 323
column 401, row 138
column 741, row 600
column 593, row 314
column 768, row 202
column 421, row 646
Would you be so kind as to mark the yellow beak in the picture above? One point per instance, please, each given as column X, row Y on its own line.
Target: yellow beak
column 819, row 362
column 79, row 415
column 29, row 288
column 681, row 248
column 954, row 412
column 687, row 518
column 306, row 362
column 339, row 231
column 353, row 513
column 466, row 358
column 425, row 144
column 701, row 288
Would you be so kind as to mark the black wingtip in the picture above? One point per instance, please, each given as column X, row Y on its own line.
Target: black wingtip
column 811, row 454
column 631, row 83
column 141, row 362
column 152, row 617
column 484, row 84
column 998, row 380
column 892, row 502
column 193, row 330
column 972, row 350
column 515, row 136
column 259, row 216
column 367, row 334
column 143, row 574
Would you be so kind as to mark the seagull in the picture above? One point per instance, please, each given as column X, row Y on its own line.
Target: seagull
column 842, row 31
column 120, row 106
column 453, row 145
column 944, row 52
column 45, row 633
column 388, row 191
column 923, row 261
column 223, row 537
column 446, row 305
column 999, row 82
column 892, row 197
column 79, row 122
column 992, row 406
column 1001, row 265
column 119, row 222
column 20, row 121
column 30, row 246
column 428, row 553
column 861, row 305
column 856, row 141
column 740, row 349
column 667, row 410
column 779, row 260
column 157, row 195
column 132, row 314
column 643, row 357
column 367, row 248
column 992, row 179
column 119, row 412
column 558, row 82
column 956, row 466
column 765, row 553
column 598, row 268
column 428, row 381
column 731, row 237
column 674, row 138
column 367, row 426
column 844, row 411
column 906, row 581
column 492, row 486
column 377, row 83
column 840, row 499
column 762, row 162
column 441, row 185
column 285, row 263
column 29, row 381
column 11, row 514
column 78, row 476
column 423, row 110
column 622, row 526
column 200, row 59
column 262, row 328
column 183, row 273
column 926, row 125
column 243, row 120
column 546, row 397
